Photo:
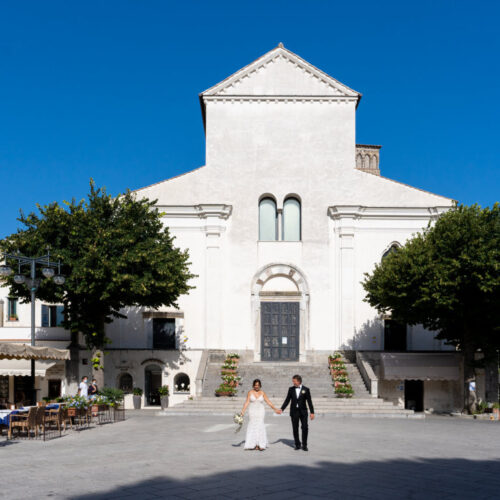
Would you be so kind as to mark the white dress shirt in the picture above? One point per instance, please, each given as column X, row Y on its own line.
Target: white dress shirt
column 84, row 389
column 297, row 393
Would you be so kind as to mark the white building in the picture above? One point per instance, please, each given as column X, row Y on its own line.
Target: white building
column 15, row 326
column 281, row 224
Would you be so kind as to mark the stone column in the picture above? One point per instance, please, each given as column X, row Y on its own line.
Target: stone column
column 345, row 218
column 213, row 229
column 213, row 284
column 346, row 236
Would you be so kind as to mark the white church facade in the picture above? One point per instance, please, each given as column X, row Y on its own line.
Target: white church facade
column 281, row 224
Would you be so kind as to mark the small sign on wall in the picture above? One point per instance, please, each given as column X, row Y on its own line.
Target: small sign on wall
column 284, row 340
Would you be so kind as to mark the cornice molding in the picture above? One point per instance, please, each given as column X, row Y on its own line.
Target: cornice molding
column 339, row 212
column 270, row 99
column 202, row 211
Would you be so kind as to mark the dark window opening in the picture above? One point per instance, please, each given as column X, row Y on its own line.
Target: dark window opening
column 182, row 383
column 4, row 388
column 164, row 333
column 52, row 316
column 12, row 309
column 394, row 335
column 54, row 389
column 126, row 383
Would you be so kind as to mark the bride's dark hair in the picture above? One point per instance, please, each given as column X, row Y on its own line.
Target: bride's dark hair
column 257, row 381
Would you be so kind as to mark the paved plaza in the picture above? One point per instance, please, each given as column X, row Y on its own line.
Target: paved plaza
column 149, row 456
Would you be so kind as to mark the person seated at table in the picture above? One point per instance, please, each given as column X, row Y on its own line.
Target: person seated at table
column 20, row 399
column 93, row 389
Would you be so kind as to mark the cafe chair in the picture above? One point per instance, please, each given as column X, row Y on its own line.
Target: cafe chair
column 23, row 421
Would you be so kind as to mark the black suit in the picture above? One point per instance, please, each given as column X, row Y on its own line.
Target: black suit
column 298, row 411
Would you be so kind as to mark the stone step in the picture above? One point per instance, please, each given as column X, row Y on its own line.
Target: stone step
column 333, row 398
column 316, row 407
column 340, row 415
column 276, row 380
column 352, row 413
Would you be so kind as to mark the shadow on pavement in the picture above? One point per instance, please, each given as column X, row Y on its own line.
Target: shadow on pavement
column 286, row 442
column 7, row 442
column 398, row 479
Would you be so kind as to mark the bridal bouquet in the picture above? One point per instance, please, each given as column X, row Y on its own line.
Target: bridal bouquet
column 238, row 419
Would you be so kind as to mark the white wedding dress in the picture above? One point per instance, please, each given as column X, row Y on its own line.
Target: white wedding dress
column 256, row 429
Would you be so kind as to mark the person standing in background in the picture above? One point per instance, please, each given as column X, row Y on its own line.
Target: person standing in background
column 93, row 389
column 83, row 388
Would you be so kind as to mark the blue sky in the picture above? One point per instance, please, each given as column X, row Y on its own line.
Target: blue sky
column 109, row 90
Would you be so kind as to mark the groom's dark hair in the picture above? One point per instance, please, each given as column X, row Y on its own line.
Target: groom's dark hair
column 298, row 377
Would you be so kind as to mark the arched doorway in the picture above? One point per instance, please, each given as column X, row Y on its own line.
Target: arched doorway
column 152, row 382
column 280, row 309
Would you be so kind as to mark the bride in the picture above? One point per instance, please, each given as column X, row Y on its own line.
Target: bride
column 256, row 438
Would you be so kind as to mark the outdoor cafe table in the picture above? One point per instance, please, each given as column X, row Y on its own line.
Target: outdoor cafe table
column 5, row 414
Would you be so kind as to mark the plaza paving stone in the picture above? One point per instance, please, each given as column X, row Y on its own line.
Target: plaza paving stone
column 150, row 457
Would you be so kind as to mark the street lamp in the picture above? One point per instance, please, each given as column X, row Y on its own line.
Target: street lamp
column 32, row 283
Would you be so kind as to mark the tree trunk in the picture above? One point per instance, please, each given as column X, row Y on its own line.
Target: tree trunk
column 98, row 373
column 72, row 366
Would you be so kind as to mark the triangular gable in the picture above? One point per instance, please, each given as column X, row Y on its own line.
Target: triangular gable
column 280, row 72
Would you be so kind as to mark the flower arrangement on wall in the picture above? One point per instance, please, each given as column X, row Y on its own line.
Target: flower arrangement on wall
column 340, row 377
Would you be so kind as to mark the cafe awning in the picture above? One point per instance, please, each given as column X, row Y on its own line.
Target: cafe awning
column 22, row 367
column 420, row 366
column 11, row 350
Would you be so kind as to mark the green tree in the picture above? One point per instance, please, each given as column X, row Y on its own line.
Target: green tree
column 115, row 253
column 447, row 279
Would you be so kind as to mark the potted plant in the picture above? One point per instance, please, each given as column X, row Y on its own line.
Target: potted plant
column 114, row 398
column 77, row 406
column 233, row 357
column 496, row 411
column 231, row 380
column 164, row 392
column 336, row 357
column 344, row 391
column 137, row 397
column 13, row 317
column 225, row 390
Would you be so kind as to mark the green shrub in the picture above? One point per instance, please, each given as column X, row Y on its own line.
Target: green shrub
column 163, row 391
column 113, row 395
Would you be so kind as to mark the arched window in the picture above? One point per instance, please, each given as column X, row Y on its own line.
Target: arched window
column 291, row 220
column 126, row 383
column 393, row 248
column 268, row 220
column 182, row 383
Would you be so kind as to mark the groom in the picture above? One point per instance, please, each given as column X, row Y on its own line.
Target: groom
column 299, row 395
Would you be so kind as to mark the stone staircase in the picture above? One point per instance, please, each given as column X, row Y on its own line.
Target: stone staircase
column 276, row 378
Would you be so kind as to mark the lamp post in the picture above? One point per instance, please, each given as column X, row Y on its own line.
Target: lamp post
column 32, row 282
